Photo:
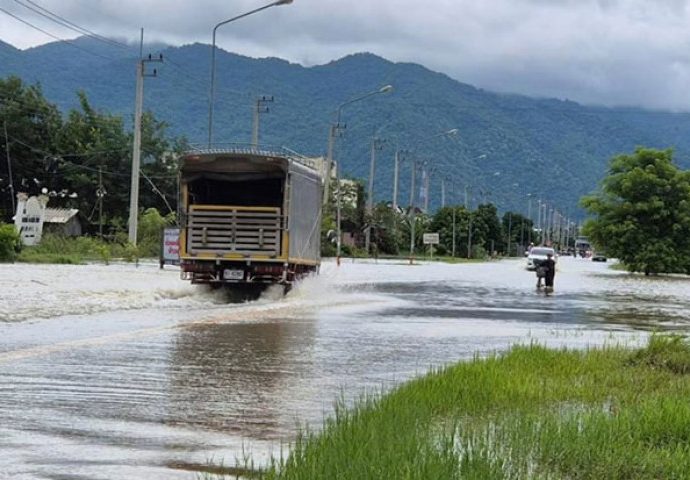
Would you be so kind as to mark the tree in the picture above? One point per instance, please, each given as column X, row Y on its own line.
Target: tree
column 642, row 213
column 443, row 224
column 32, row 126
column 486, row 227
column 517, row 231
column 387, row 228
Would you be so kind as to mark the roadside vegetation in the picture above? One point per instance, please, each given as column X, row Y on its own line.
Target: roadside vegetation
column 478, row 232
column 78, row 250
column 533, row 412
column 77, row 157
column 10, row 244
column 641, row 215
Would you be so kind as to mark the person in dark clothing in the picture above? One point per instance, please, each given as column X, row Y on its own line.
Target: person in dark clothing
column 550, row 265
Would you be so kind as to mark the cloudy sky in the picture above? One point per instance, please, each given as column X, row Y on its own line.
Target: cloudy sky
column 611, row 52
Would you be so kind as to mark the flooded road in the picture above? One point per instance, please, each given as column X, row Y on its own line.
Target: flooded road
column 117, row 372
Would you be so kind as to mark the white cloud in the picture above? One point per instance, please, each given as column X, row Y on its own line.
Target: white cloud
column 615, row 52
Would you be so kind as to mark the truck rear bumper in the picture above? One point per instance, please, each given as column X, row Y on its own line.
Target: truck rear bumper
column 217, row 272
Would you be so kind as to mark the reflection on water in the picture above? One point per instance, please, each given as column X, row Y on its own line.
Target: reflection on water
column 128, row 373
column 230, row 377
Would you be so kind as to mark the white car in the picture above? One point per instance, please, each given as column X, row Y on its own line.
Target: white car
column 538, row 255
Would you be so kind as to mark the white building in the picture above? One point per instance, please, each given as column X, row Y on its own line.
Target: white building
column 29, row 217
column 33, row 217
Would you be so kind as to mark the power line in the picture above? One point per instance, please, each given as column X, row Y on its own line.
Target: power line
column 51, row 35
column 89, row 154
column 53, row 17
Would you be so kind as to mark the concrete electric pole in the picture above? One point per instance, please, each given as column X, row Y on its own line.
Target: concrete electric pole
column 259, row 108
column 9, row 168
column 136, row 149
column 376, row 144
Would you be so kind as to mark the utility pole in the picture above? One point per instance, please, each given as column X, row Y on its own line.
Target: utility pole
column 100, row 193
column 333, row 132
column 510, row 228
column 396, row 170
column 9, row 167
column 549, row 221
column 413, row 218
column 469, row 236
column 529, row 217
column 469, row 222
column 399, row 155
column 453, row 249
column 452, row 187
column 376, row 144
column 427, row 174
column 136, row 149
column 329, row 163
column 259, row 108
column 443, row 192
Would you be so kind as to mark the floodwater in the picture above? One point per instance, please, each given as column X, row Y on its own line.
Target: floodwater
column 117, row 372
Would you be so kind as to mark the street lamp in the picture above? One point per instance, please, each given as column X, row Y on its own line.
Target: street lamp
column 329, row 161
column 213, row 59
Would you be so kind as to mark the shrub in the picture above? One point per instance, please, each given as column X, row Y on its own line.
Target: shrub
column 151, row 224
column 10, row 243
column 669, row 352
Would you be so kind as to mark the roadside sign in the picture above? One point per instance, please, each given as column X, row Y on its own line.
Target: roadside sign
column 430, row 239
column 171, row 247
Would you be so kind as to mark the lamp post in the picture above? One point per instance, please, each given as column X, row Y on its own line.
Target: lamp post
column 213, row 59
column 331, row 142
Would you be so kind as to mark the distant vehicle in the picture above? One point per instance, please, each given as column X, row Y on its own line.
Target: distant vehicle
column 250, row 218
column 538, row 255
column 583, row 247
column 599, row 257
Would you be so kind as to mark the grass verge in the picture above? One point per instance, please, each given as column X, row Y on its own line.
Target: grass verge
column 79, row 250
column 532, row 412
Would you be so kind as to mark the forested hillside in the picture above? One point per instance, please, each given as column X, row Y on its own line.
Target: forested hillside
column 507, row 145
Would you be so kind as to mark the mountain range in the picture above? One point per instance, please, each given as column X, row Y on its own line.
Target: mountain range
column 507, row 146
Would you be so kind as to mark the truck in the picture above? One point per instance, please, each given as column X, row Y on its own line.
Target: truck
column 583, row 247
column 249, row 218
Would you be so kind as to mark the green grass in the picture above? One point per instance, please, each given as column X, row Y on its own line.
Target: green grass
column 32, row 256
column 532, row 413
column 79, row 250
